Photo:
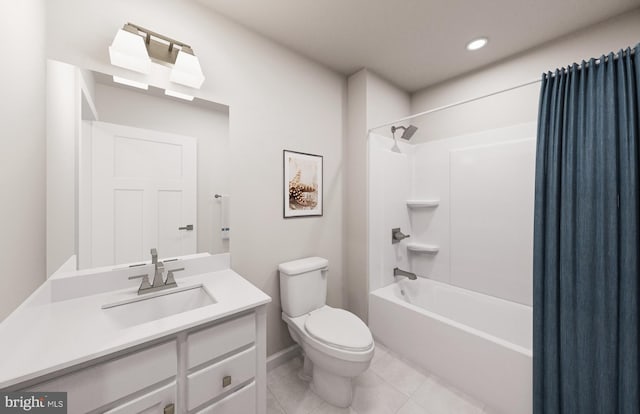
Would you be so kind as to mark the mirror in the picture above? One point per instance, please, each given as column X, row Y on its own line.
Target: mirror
column 129, row 170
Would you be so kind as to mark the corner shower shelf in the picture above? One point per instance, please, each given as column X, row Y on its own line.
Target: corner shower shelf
column 423, row 248
column 423, row 203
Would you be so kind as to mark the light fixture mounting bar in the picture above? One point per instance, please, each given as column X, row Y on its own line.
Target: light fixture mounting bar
column 160, row 51
column 155, row 34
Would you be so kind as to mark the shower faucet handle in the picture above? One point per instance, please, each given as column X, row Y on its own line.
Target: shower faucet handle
column 397, row 235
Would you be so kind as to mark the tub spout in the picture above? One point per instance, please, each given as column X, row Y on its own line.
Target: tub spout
column 400, row 272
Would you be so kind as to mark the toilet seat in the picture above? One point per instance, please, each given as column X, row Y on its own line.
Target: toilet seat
column 338, row 328
column 306, row 339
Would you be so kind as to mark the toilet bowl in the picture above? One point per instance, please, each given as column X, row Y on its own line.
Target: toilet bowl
column 337, row 345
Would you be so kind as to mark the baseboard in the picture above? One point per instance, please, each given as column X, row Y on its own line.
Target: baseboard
column 283, row 356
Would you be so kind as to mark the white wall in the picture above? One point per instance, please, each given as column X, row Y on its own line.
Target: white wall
column 126, row 106
column 355, row 195
column 278, row 100
column 69, row 101
column 520, row 105
column 371, row 101
column 62, row 115
column 22, row 166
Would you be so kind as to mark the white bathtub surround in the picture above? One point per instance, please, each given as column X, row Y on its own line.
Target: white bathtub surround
column 389, row 190
column 391, row 385
column 478, row 343
column 470, row 196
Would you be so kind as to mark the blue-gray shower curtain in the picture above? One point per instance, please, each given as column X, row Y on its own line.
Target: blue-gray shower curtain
column 586, row 239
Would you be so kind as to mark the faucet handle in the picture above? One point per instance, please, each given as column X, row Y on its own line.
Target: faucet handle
column 145, row 281
column 171, row 281
column 397, row 235
column 154, row 256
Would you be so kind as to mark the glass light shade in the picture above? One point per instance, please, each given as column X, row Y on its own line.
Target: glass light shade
column 187, row 71
column 130, row 82
column 178, row 95
column 128, row 51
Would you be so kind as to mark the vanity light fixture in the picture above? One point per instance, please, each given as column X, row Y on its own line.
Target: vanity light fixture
column 186, row 70
column 478, row 43
column 128, row 50
column 135, row 48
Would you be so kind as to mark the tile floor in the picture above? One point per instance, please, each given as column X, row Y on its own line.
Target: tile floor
column 389, row 386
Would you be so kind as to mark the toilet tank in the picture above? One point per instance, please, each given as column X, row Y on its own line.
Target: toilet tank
column 303, row 285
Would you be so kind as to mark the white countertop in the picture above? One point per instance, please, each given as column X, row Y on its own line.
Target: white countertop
column 51, row 332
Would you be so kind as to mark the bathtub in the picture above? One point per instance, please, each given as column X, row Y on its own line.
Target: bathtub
column 480, row 344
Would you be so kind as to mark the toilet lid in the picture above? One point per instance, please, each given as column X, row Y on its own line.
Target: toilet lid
column 339, row 328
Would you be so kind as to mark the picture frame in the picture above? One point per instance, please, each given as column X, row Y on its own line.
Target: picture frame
column 302, row 184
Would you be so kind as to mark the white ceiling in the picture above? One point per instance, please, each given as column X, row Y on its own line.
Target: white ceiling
column 414, row 43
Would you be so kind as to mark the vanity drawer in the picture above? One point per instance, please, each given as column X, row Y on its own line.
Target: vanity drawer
column 211, row 343
column 103, row 383
column 209, row 382
column 242, row 401
column 151, row 402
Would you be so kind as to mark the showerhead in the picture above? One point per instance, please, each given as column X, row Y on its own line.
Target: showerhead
column 407, row 132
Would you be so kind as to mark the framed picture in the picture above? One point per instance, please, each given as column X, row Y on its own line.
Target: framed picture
column 302, row 184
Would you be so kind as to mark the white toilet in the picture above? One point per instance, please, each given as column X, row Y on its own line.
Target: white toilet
column 337, row 345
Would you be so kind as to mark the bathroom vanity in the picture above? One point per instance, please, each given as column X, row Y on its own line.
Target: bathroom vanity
column 200, row 346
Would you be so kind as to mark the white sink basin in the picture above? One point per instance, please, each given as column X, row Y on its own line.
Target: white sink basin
column 153, row 306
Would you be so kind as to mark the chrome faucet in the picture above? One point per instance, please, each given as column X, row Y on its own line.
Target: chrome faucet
column 158, row 274
column 158, row 277
column 400, row 272
column 154, row 256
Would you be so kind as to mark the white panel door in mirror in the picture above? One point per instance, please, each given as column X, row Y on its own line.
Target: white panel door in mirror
column 143, row 194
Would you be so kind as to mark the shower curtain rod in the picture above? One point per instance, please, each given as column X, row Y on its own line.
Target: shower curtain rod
column 451, row 105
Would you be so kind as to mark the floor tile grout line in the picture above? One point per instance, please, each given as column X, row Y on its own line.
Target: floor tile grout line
column 458, row 393
column 409, row 397
column 390, row 355
column 277, row 400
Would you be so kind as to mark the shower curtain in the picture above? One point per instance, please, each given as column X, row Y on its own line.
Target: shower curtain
column 586, row 239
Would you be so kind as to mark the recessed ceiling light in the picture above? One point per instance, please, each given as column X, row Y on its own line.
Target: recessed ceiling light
column 478, row 43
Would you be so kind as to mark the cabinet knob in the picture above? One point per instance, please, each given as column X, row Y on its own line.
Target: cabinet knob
column 170, row 409
column 226, row 381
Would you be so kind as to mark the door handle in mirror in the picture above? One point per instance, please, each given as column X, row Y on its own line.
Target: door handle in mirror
column 188, row 227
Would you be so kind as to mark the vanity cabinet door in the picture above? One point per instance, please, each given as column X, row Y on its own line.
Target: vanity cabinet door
column 150, row 403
